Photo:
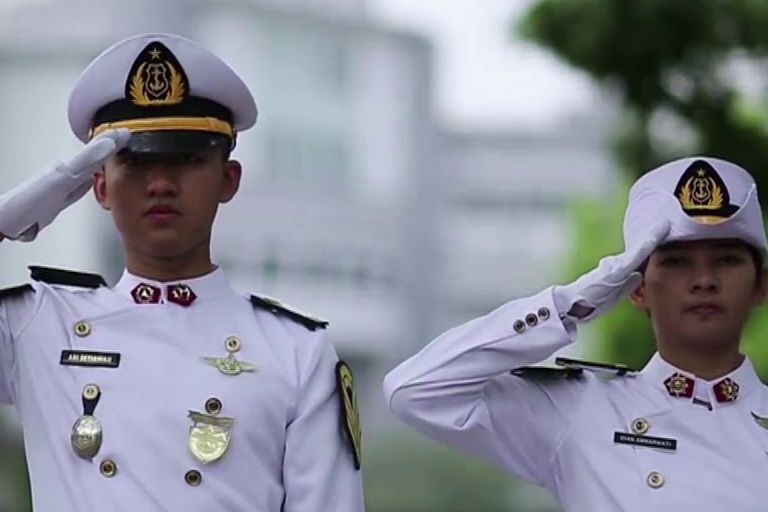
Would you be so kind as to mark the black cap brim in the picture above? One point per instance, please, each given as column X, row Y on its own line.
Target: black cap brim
column 182, row 141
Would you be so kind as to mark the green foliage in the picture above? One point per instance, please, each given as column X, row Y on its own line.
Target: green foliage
column 670, row 60
column 408, row 473
column 14, row 484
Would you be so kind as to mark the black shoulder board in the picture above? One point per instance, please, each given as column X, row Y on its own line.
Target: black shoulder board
column 14, row 291
column 614, row 370
column 275, row 306
column 66, row 277
column 546, row 372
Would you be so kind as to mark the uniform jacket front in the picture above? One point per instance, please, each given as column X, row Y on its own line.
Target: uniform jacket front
column 287, row 449
column 633, row 443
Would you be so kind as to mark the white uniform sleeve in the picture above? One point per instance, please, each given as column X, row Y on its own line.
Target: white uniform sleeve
column 318, row 470
column 459, row 390
column 17, row 308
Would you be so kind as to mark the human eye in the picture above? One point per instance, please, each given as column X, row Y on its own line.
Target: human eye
column 672, row 260
column 132, row 160
column 730, row 259
column 189, row 159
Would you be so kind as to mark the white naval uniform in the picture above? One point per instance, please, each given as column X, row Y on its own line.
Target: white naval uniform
column 559, row 433
column 287, row 450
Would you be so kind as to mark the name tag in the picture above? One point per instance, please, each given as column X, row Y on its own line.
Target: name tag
column 92, row 359
column 661, row 443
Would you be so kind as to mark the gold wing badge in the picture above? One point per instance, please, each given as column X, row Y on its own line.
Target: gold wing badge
column 351, row 415
column 230, row 365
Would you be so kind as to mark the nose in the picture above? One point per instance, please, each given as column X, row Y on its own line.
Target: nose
column 161, row 182
column 705, row 279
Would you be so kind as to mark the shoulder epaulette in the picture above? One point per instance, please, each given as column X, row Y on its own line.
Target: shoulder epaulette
column 66, row 277
column 546, row 372
column 613, row 370
column 13, row 291
column 275, row 306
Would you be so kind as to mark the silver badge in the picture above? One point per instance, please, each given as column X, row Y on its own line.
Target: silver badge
column 86, row 436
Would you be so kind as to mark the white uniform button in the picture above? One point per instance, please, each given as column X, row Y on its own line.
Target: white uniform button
column 193, row 477
column 640, row 426
column 531, row 319
column 543, row 313
column 519, row 326
column 213, row 406
column 91, row 391
column 232, row 344
column 655, row 479
column 82, row 329
column 108, row 468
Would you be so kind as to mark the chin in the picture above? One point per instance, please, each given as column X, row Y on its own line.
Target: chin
column 162, row 247
column 708, row 339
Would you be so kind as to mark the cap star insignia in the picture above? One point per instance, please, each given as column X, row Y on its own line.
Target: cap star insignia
column 230, row 365
column 155, row 53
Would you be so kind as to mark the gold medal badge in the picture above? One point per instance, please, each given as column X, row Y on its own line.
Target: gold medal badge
column 351, row 415
column 209, row 436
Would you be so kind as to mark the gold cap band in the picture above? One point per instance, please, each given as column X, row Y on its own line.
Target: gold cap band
column 155, row 124
column 708, row 219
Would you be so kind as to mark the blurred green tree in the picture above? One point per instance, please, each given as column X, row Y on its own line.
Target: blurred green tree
column 686, row 75
column 405, row 472
column 14, row 485
column 683, row 66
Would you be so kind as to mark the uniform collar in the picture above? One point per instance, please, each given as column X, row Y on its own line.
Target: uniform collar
column 202, row 288
column 680, row 385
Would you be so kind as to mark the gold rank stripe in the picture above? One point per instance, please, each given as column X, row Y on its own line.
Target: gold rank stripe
column 156, row 124
column 90, row 359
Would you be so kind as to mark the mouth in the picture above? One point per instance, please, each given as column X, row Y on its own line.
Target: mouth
column 705, row 308
column 162, row 212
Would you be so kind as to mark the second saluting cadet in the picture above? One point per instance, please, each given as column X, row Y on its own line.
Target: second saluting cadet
column 687, row 432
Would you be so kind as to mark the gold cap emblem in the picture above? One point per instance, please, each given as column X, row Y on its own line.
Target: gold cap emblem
column 156, row 78
column 703, row 195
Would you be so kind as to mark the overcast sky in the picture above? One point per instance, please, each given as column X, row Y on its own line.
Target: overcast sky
column 485, row 77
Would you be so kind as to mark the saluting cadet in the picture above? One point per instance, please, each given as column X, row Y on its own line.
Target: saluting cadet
column 168, row 391
column 687, row 432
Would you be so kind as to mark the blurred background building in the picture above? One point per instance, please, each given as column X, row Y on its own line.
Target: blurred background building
column 360, row 203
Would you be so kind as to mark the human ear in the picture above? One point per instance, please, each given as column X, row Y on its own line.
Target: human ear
column 100, row 188
column 638, row 297
column 233, row 172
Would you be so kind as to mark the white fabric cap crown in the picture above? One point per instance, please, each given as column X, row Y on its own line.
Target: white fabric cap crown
column 160, row 83
column 703, row 198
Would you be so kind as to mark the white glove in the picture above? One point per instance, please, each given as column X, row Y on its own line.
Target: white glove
column 599, row 290
column 28, row 208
